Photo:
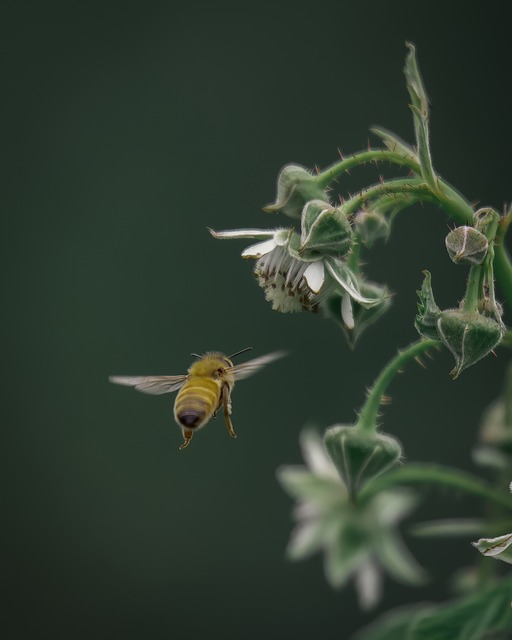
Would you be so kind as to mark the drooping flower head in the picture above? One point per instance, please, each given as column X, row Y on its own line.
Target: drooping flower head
column 358, row 540
column 309, row 271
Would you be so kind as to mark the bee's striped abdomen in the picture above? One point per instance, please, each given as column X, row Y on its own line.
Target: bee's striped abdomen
column 196, row 402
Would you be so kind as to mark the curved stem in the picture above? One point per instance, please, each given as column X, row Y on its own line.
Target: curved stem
column 439, row 475
column 502, row 263
column 414, row 186
column 367, row 420
column 325, row 177
column 445, row 195
column 453, row 203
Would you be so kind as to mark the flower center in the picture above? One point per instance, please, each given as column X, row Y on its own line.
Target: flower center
column 282, row 278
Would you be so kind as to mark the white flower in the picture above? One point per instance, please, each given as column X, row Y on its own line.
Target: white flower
column 292, row 283
column 358, row 540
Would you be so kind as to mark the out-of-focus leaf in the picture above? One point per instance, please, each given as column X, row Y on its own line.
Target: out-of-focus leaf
column 474, row 617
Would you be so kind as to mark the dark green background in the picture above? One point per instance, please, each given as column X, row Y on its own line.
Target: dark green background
column 130, row 128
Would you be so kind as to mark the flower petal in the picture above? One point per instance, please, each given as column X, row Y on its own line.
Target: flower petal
column 496, row 547
column 259, row 249
column 341, row 562
column 393, row 506
column 302, row 484
column 315, row 455
column 396, row 558
column 315, row 276
column 347, row 313
column 306, row 538
column 258, row 234
column 348, row 281
column 368, row 580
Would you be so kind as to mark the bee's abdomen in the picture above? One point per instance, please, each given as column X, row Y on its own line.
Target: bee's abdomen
column 196, row 402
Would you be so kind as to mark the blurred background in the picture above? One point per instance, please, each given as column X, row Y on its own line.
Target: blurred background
column 128, row 129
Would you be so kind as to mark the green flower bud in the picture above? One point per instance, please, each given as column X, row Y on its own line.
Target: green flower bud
column 468, row 335
column 466, row 245
column 324, row 230
column 428, row 311
column 295, row 187
column 372, row 225
column 360, row 456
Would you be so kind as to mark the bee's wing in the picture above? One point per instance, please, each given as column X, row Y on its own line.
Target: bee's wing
column 155, row 385
column 246, row 369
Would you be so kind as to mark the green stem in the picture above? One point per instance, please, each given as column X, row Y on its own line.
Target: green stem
column 413, row 186
column 502, row 263
column 436, row 474
column 445, row 195
column 453, row 203
column 325, row 178
column 368, row 415
column 473, row 289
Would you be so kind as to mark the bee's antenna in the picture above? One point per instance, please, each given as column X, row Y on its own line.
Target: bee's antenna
column 196, row 355
column 239, row 352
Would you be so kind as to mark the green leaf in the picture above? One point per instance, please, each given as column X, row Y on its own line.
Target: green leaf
column 420, row 109
column 474, row 617
column 396, row 144
column 398, row 624
column 448, row 528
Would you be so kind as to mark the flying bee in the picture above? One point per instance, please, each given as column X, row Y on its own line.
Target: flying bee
column 203, row 390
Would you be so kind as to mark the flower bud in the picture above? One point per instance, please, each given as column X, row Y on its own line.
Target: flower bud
column 466, row 245
column 324, row 230
column 295, row 187
column 360, row 456
column 468, row 335
column 371, row 226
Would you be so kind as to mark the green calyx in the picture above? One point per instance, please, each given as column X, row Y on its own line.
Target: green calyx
column 324, row 230
column 295, row 187
column 468, row 334
column 428, row 311
column 360, row 456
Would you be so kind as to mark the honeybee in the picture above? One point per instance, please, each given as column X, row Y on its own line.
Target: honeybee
column 203, row 390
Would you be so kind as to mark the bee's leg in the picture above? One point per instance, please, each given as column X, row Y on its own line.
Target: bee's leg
column 187, row 434
column 226, row 403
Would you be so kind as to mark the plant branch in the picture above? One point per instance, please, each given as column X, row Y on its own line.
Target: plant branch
column 368, row 415
column 438, row 475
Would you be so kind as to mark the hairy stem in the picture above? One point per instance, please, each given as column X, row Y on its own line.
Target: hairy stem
column 445, row 195
column 363, row 157
column 367, row 420
column 473, row 289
